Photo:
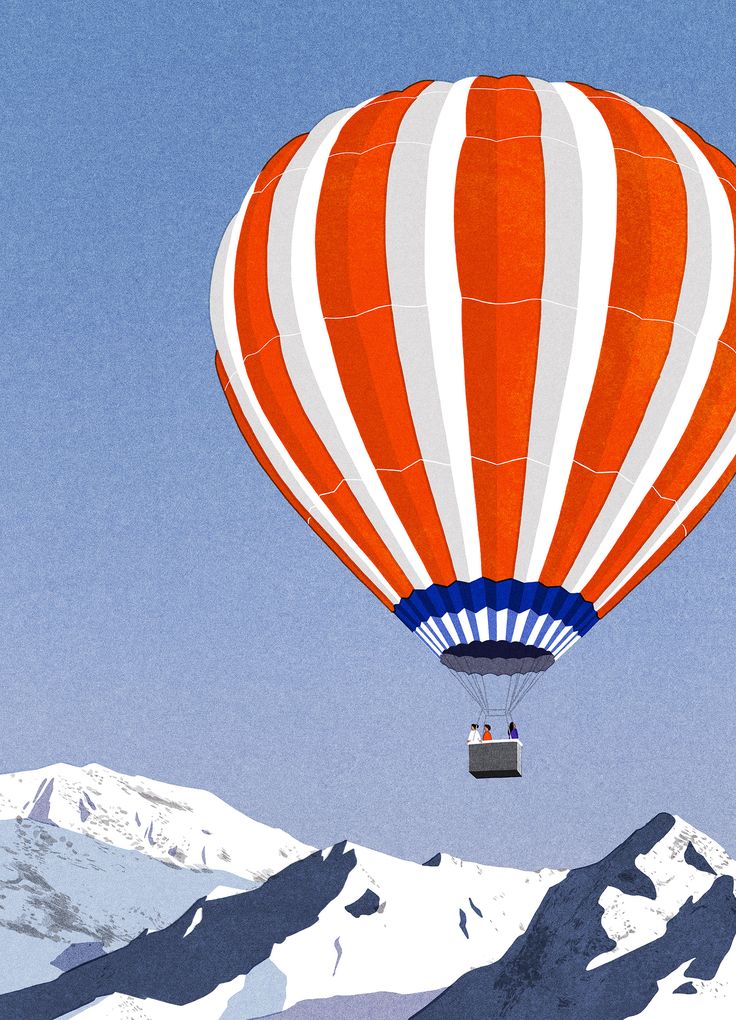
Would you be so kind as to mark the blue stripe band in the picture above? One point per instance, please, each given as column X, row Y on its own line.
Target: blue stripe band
column 516, row 596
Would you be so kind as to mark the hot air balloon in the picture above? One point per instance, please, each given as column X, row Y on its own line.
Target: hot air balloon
column 482, row 336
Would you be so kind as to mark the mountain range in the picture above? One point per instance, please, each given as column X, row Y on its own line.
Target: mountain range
column 122, row 897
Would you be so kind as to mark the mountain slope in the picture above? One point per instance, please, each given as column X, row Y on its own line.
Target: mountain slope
column 60, row 890
column 174, row 824
column 344, row 922
column 662, row 902
column 92, row 858
column 353, row 934
column 213, row 944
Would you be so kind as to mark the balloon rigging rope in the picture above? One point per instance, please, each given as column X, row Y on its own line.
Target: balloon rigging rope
column 475, row 686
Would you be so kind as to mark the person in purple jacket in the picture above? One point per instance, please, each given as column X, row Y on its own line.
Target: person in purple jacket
column 513, row 732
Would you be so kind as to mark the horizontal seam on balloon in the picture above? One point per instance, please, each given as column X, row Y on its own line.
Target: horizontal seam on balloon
column 500, row 304
column 427, row 145
column 368, row 311
column 674, row 162
column 368, row 106
column 404, row 141
column 530, row 92
column 482, row 138
column 492, row 463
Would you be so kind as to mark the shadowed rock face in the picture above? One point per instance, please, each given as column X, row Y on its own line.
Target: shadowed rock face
column 696, row 860
column 77, row 954
column 60, row 888
column 233, row 936
column 543, row 976
column 366, row 905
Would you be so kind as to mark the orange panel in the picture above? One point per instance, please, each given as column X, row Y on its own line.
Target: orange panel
column 649, row 260
column 500, row 241
column 273, row 387
column 249, row 436
column 354, row 292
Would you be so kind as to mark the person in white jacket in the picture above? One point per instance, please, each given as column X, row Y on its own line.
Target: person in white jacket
column 474, row 735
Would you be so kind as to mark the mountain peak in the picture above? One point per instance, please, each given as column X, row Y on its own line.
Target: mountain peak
column 179, row 826
column 333, row 925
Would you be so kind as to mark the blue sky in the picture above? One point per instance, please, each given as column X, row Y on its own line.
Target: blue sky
column 163, row 611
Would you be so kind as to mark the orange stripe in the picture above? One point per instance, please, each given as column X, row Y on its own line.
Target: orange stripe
column 500, row 241
column 710, row 419
column 257, row 449
column 649, row 261
column 272, row 384
column 671, row 544
column 353, row 278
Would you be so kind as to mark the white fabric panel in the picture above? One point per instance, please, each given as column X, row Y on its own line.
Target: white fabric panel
column 573, row 639
column 702, row 312
column 309, row 359
column 427, row 306
column 580, row 183
column 222, row 310
column 712, row 472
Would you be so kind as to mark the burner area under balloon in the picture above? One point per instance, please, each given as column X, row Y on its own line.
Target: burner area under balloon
column 497, row 658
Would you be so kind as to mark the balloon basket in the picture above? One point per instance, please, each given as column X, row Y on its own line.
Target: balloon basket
column 495, row 759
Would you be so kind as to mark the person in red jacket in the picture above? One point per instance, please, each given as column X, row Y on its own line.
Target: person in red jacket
column 487, row 735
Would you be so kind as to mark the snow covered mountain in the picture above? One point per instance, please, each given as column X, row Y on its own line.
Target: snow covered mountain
column 90, row 858
column 352, row 934
column 343, row 922
column 65, row 898
column 647, row 932
column 172, row 824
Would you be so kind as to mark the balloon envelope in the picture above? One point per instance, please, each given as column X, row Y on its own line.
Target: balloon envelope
column 482, row 337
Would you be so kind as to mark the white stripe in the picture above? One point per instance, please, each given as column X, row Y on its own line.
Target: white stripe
column 444, row 308
column 502, row 620
column 549, row 634
column 432, row 624
column 464, row 619
column 703, row 309
column 428, row 637
column 569, row 342
column 432, row 645
column 453, row 628
column 481, row 619
column 426, row 306
column 567, row 646
column 536, row 629
column 708, row 477
column 224, row 326
column 559, row 640
column 519, row 625
column 309, row 358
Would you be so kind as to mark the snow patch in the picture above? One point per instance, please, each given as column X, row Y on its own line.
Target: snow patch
column 221, row 891
column 411, row 899
column 194, row 922
column 126, row 811
column 634, row 921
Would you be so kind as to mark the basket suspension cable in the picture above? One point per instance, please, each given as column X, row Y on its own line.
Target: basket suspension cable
column 510, row 693
column 476, row 686
column 463, row 680
column 530, row 680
